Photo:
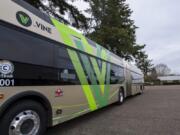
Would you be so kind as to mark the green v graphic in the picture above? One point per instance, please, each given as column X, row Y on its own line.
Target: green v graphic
column 83, row 79
column 97, row 94
column 24, row 19
column 100, row 78
column 101, row 74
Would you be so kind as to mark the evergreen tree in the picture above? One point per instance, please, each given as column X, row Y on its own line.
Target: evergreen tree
column 113, row 28
column 110, row 26
column 143, row 62
column 60, row 8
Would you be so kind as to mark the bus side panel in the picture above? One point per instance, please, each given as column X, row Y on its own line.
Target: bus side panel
column 10, row 16
column 128, row 82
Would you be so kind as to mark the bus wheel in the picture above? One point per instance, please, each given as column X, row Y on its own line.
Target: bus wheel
column 141, row 90
column 121, row 97
column 25, row 117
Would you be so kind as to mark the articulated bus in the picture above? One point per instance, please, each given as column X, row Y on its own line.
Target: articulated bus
column 50, row 73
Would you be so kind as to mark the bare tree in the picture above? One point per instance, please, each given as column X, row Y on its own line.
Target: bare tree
column 162, row 70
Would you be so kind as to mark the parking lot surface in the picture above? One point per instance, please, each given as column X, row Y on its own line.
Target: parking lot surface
column 156, row 112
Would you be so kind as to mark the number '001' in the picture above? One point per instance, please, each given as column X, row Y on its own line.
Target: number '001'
column 6, row 82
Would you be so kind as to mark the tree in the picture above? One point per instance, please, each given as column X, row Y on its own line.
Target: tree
column 113, row 28
column 154, row 74
column 59, row 8
column 110, row 25
column 143, row 62
column 162, row 70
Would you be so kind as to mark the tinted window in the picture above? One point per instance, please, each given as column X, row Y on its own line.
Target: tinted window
column 21, row 47
column 66, row 71
column 117, row 74
column 30, row 75
column 137, row 78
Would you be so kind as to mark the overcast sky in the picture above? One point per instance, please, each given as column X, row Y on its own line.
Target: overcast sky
column 159, row 29
column 159, row 23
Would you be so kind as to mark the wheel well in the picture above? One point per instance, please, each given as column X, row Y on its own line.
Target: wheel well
column 35, row 96
column 122, row 88
column 142, row 87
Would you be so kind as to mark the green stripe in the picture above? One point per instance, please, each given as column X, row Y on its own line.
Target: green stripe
column 63, row 32
column 93, row 93
column 82, row 77
column 88, row 68
column 95, row 88
column 100, row 74
column 67, row 33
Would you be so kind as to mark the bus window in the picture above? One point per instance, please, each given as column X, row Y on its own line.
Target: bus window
column 117, row 74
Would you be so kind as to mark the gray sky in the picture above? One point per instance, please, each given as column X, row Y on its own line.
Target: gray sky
column 159, row 29
column 159, row 24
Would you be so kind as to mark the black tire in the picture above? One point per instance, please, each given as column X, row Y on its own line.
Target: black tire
column 141, row 90
column 19, row 108
column 121, row 97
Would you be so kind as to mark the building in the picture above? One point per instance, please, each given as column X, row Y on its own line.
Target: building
column 169, row 79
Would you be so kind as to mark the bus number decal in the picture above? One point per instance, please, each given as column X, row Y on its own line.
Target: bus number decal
column 6, row 82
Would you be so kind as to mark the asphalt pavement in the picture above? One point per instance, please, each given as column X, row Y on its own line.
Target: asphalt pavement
column 156, row 112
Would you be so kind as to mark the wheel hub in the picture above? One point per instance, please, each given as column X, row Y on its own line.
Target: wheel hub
column 25, row 123
column 121, row 97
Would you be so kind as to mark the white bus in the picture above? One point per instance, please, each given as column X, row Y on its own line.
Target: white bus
column 49, row 73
